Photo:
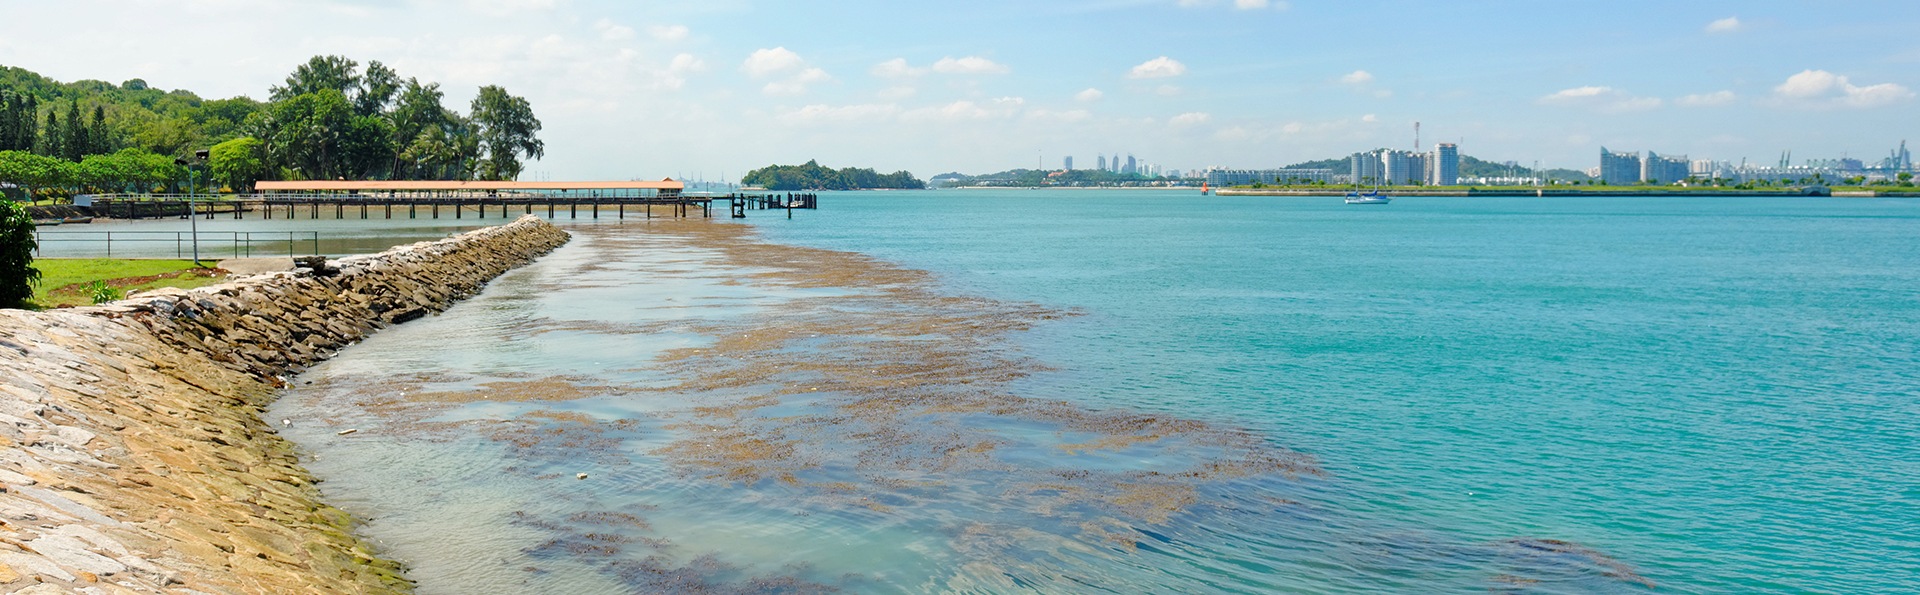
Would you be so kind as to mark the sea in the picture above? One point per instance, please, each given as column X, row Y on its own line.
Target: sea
column 1147, row 391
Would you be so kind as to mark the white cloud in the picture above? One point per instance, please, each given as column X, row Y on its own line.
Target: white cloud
column 1726, row 25
column 674, row 76
column 1577, row 93
column 1714, row 99
column 612, row 32
column 764, row 62
column 1357, row 77
column 1161, row 67
column 1190, row 118
column 791, row 72
column 668, row 32
column 896, row 68
column 1090, row 95
column 796, row 84
column 1605, row 99
column 1369, row 118
column 1820, row 89
column 969, row 65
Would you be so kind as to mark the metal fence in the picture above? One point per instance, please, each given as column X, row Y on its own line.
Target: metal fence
column 241, row 244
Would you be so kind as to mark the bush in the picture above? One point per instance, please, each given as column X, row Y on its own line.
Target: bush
column 17, row 244
column 102, row 293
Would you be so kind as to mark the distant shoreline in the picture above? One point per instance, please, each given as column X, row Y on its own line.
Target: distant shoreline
column 1546, row 192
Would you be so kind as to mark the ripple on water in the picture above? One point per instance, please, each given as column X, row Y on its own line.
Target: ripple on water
column 763, row 418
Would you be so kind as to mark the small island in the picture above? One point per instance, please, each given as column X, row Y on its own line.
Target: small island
column 812, row 176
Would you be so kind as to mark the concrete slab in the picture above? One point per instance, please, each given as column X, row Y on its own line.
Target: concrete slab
column 241, row 267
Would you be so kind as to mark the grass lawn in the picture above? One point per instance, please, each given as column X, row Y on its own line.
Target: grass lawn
column 63, row 280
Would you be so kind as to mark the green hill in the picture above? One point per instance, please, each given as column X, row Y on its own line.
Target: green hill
column 331, row 119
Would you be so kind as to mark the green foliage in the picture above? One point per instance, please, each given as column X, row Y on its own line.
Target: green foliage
column 238, row 163
column 100, row 292
column 506, row 129
column 328, row 120
column 812, row 176
column 17, row 243
column 34, row 173
column 1029, row 178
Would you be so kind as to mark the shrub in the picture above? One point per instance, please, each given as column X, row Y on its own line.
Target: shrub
column 17, row 275
column 102, row 293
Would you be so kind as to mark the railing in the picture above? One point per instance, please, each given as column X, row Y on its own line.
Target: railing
column 396, row 195
column 242, row 243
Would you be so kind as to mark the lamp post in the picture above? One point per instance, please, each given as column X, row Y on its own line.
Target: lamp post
column 193, row 207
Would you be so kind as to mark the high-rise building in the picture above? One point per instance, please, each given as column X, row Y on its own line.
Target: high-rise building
column 1656, row 169
column 1619, row 169
column 1403, row 167
column 1103, row 162
column 1132, row 168
column 1366, row 168
column 1069, row 164
column 1446, row 165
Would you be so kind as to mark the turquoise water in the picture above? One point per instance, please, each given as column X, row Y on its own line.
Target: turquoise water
column 1515, row 395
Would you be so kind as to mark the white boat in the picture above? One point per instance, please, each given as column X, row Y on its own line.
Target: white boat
column 1371, row 197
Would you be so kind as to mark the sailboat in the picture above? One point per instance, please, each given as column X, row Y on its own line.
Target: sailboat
column 1370, row 197
column 1203, row 189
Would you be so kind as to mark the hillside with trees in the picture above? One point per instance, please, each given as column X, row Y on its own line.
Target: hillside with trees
column 1036, row 178
column 812, row 176
column 330, row 119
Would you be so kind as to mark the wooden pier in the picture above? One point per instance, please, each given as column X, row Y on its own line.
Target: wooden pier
column 360, row 206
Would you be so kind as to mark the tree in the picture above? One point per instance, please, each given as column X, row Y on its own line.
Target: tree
column 320, row 73
column 238, row 163
column 34, row 173
column 98, row 140
column 51, row 140
column 74, row 143
column 377, row 88
column 17, row 275
column 506, row 127
column 304, row 133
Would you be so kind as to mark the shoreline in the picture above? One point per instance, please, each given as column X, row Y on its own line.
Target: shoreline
column 1559, row 193
column 135, row 457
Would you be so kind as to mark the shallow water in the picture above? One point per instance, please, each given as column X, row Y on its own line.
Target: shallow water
column 1156, row 392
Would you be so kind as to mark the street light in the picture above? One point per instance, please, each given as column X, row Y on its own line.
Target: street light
column 193, row 208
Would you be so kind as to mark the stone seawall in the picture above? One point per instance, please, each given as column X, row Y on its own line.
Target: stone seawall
column 132, row 453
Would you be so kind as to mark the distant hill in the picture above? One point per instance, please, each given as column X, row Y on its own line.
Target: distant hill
column 1041, row 177
column 812, row 176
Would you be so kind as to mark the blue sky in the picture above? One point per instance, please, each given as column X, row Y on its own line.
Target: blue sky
column 649, row 89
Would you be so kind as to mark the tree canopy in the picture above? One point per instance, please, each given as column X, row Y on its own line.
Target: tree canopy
column 813, row 176
column 329, row 119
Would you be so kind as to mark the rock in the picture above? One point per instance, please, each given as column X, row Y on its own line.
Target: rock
column 137, row 424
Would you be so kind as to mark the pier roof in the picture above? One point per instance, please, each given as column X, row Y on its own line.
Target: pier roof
column 458, row 185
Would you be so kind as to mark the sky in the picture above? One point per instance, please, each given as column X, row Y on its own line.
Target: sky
column 711, row 89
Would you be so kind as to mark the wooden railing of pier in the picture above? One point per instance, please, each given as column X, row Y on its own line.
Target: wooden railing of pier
column 457, row 206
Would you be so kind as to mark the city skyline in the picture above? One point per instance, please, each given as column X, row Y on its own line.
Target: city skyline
column 737, row 85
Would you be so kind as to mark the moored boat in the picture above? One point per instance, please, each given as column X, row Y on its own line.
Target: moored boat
column 1371, row 197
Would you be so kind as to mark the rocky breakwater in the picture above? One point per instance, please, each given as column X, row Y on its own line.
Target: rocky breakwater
column 132, row 453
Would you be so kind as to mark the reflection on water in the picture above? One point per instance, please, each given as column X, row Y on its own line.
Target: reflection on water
column 677, row 407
